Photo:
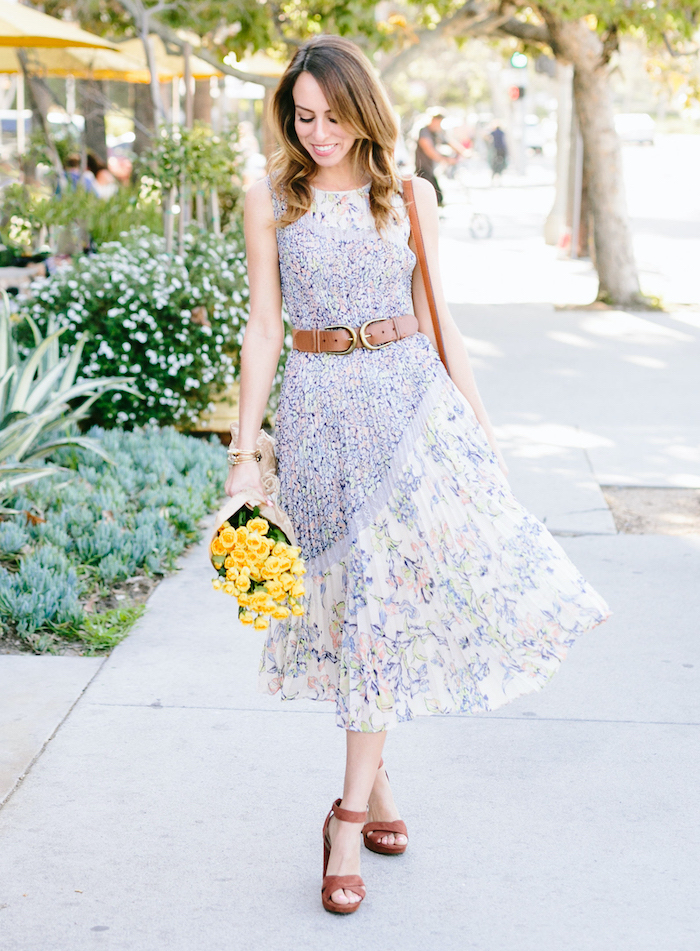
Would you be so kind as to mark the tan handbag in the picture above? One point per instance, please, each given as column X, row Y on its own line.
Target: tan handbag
column 423, row 264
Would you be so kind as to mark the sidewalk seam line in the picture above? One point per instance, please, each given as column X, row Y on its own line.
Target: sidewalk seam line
column 20, row 779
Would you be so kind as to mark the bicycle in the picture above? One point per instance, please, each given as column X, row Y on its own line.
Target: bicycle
column 480, row 226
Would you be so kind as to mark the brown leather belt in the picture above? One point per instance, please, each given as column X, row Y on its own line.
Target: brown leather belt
column 341, row 339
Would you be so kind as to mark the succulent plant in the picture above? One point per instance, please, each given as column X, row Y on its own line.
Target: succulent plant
column 96, row 524
column 41, row 402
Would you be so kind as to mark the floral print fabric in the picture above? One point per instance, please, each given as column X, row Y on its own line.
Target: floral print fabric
column 430, row 589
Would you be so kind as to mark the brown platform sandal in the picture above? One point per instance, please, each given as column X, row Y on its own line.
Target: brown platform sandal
column 372, row 831
column 331, row 883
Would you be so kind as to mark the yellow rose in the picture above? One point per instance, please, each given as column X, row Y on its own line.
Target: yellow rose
column 297, row 610
column 240, row 558
column 260, row 623
column 297, row 589
column 280, row 549
column 298, row 567
column 242, row 583
column 280, row 613
column 294, row 551
column 259, row 525
column 274, row 589
column 227, row 537
column 255, row 542
column 241, row 535
column 285, row 562
column 244, row 600
column 258, row 601
column 271, row 567
column 229, row 562
column 287, row 580
column 257, row 558
column 231, row 574
column 229, row 588
column 217, row 548
column 217, row 584
column 255, row 573
column 245, row 617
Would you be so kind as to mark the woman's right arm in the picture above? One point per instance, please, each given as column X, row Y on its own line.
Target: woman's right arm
column 264, row 334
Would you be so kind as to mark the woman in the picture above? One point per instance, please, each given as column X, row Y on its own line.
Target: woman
column 430, row 589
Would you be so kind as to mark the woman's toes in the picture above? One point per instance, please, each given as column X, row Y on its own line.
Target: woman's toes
column 344, row 897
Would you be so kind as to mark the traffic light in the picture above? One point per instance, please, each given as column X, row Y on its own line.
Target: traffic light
column 516, row 92
column 518, row 60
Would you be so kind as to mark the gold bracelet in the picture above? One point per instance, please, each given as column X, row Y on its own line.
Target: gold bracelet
column 236, row 456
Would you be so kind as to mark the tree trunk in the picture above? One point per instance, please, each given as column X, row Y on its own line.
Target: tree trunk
column 92, row 105
column 154, row 85
column 144, row 125
column 617, row 272
column 41, row 103
column 202, row 101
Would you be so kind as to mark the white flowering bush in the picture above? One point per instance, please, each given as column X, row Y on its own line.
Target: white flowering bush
column 174, row 324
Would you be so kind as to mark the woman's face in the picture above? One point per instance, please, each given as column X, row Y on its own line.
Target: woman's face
column 327, row 142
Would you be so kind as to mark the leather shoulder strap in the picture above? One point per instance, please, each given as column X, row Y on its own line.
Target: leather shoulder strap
column 423, row 264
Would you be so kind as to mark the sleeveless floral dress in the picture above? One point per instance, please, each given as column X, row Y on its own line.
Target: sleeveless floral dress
column 430, row 589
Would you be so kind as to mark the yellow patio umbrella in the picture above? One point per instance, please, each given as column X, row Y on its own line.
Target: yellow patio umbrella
column 169, row 66
column 259, row 63
column 24, row 26
column 81, row 63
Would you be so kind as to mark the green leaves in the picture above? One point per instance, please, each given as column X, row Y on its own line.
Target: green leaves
column 38, row 408
column 205, row 158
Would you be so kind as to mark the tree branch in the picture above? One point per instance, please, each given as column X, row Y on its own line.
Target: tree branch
column 472, row 19
column 677, row 53
column 426, row 38
column 530, row 32
column 170, row 36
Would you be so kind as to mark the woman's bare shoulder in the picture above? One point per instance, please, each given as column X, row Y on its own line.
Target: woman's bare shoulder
column 258, row 201
column 425, row 194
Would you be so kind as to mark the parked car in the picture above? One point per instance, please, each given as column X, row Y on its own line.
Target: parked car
column 638, row 127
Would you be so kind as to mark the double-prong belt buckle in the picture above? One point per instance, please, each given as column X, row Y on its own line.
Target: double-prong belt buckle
column 359, row 336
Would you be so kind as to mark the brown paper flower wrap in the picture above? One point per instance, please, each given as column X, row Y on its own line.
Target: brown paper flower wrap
column 253, row 552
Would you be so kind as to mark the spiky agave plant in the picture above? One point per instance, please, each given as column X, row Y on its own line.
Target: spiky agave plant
column 38, row 412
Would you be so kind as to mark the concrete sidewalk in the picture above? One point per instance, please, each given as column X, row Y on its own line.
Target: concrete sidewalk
column 177, row 808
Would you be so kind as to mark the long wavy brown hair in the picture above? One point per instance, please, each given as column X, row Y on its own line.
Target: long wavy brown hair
column 359, row 103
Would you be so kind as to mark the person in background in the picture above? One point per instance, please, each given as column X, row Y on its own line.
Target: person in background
column 427, row 154
column 254, row 162
column 104, row 183
column 76, row 177
column 498, row 151
column 121, row 168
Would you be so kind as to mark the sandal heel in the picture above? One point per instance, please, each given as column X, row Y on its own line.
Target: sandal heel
column 332, row 883
column 370, row 830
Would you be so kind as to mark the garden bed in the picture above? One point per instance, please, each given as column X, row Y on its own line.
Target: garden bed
column 86, row 546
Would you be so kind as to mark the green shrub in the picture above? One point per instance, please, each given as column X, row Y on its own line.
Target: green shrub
column 28, row 211
column 141, row 309
column 77, row 536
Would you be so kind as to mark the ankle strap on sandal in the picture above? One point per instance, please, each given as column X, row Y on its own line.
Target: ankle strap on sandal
column 347, row 815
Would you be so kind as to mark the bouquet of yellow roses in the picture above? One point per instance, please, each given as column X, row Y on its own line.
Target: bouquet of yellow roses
column 256, row 562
